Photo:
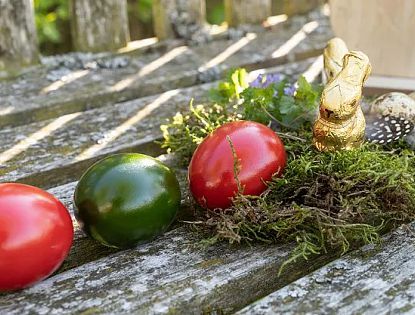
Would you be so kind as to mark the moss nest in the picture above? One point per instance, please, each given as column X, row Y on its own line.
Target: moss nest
column 324, row 201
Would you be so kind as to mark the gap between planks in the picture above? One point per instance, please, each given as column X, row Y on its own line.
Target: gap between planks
column 47, row 163
column 46, row 155
column 23, row 100
column 172, row 274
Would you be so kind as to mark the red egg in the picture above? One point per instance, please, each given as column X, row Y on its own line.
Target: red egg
column 36, row 234
column 260, row 154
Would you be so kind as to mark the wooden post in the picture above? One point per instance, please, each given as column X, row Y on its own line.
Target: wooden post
column 293, row 7
column 99, row 25
column 172, row 17
column 383, row 29
column 18, row 40
column 246, row 12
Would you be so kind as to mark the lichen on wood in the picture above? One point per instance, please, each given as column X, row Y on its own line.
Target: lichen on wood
column 67, row 84
column 53, row 159
column 181, row 19
column 368, row 281
column 239, row 12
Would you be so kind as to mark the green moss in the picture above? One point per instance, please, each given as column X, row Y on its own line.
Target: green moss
column 324, row 201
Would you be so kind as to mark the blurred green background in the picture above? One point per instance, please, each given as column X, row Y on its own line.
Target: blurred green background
column 52, row 22
column 52, row 19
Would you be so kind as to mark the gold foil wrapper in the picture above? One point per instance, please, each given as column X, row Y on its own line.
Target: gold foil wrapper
column 333, row 55
column 341, row 124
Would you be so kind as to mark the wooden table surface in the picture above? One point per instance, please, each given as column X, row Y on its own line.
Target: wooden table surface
column 59, row 118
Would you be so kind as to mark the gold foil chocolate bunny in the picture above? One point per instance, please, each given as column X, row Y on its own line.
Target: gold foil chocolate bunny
column 341, row 124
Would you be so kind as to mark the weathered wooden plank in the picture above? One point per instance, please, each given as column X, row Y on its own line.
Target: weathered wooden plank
column 57, row 151
column 99, row 25
column 84, row 249
column 239, row 12
column 18, row 39
column 68, row 86
column 179, row 18
column 369, row 281
column 173, row 274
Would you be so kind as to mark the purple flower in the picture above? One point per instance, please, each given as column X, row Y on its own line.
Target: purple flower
column 257, row 83
column 273, row 78
column 289, row 90
column 265, row 81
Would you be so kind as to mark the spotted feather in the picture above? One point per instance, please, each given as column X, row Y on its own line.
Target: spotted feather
column 386, row 129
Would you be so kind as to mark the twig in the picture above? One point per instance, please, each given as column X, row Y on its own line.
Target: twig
column 288, row 136
column 193, row 222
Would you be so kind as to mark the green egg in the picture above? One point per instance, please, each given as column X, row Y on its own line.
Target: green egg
column 127, row 199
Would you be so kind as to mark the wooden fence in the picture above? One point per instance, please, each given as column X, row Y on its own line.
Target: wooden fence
column 103, row 25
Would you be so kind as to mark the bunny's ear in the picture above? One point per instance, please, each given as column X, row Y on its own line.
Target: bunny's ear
column 333, row 57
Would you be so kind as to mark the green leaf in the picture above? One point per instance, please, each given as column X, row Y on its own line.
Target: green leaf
column 306, row 94
column 239, row 81
column 269, row 103
column 230, row 89
column 287, row 104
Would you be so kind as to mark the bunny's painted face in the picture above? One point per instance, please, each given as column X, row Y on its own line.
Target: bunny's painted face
column 340, row 103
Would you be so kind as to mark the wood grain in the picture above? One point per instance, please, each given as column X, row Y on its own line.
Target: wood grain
column 171, row 15
column 239, row 12
column 67, row 85
column 371, row 281
column 18, row 39
column 58, row 150
column 99, row 25
column 383, row 29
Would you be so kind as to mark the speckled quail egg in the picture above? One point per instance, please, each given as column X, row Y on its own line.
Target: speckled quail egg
column 399, row 105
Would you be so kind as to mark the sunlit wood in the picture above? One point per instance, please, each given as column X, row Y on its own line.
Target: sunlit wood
column 296, row 39
column 147, row 69
column 64, row 81
column 36, row 137
column 124, row 127
column 229, row 51
column 383, row 29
